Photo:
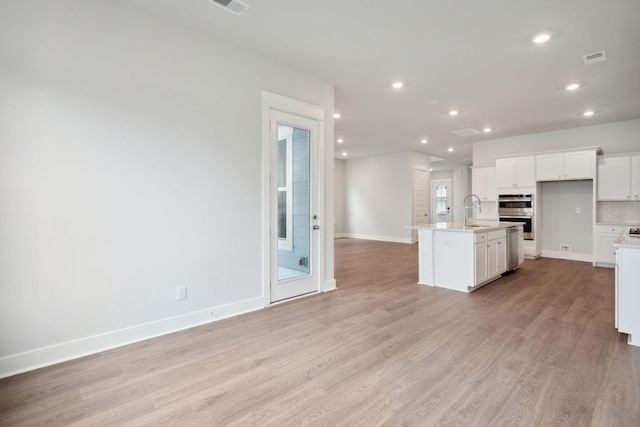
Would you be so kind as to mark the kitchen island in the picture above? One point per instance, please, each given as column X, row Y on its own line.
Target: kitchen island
column 628, row 286
column 463, row 257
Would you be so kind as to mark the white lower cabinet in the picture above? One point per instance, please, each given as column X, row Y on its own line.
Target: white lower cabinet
column 482, row 273
column 490, row 255
column 628, row 293
column 605, row 254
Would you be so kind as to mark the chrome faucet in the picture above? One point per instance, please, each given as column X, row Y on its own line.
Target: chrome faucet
column 467, row 207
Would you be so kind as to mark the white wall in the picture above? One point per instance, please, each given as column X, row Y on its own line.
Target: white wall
column 378, row 197
column 561, row 224
column 613, row 138
column 339, row 198
column 130, row 164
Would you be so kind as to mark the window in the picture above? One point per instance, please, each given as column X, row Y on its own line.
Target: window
column 285, row 188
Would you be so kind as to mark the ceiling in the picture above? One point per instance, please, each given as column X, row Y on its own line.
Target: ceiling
column 473, row 56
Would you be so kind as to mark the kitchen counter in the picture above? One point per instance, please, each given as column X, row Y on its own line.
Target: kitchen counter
column 627, row 241
column 476, row 226
column 463, row 257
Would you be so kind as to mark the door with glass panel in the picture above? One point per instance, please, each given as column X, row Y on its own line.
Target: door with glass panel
column 294, row 223
column 441, row 203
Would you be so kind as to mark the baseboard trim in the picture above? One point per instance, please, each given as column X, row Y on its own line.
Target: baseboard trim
column 39, row 358
column 568, row 256
column 380, row 238
column 339, row 235
column 329, row 285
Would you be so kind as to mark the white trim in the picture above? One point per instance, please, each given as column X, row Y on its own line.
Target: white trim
column 329, row 285
column 567, row 255
column 340, row 235
column 379, row 238
column 34, row 359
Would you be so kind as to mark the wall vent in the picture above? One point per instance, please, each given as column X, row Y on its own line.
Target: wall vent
column 466, row 132
column 594, row 57
column 235, row 6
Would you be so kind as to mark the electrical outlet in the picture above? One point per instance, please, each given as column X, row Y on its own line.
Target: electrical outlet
column 577, row 210
column 182, row 292
column 565, row 248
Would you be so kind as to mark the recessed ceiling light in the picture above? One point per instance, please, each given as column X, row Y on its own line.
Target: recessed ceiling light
column 486, row 130
column 340, row 140
column 588, row 113
column 573, row 86
column 450, row 149
column 453, row 113
column 424, row 140
column 337, row 115
column 397, row 85
column 542, row 38
column 344, row 153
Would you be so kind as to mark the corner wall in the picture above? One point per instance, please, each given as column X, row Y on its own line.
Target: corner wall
column 130, row 164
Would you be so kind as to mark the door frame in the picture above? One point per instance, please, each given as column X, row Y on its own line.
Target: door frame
column 274, row 102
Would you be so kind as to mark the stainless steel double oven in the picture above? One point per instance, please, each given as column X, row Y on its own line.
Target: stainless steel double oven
column 517, row 208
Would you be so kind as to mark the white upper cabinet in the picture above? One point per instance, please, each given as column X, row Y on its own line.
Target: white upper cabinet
column 635, row 177
column 483, row 183
column 619, row 178
column 565, row 166
column 515, row 172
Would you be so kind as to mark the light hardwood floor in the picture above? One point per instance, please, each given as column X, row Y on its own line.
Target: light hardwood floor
column 535, row 348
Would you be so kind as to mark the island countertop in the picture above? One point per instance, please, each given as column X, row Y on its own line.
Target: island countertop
column 627, row 241
column 475, row 226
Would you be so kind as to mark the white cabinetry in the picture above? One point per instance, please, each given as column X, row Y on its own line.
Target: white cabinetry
column 481, row 255
column 565, row 166
column 628, row 293
column 605, row 253
column 619, row 178
column 483, row 183
column 520, row 245
column 490, row 255
column 515, row 172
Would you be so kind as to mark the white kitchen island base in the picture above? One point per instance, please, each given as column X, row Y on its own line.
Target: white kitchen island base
column 628, row 287
column 461, row 258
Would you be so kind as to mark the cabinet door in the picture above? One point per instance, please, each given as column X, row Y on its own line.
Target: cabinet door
column 491, row 189
column 478, row 183
column 579, row 165
column 481, row 262
column 549, row 167
column 525, row 172
column 614, row 178
column 497, row 257
column 635, row 178
column 605, row 252
column 505, row 173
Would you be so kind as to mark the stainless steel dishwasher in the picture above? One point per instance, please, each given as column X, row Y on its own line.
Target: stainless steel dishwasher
column 512, row 248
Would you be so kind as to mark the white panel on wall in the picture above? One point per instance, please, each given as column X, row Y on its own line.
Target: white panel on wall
column 567, row 218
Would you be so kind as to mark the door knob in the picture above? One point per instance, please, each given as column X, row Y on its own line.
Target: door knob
column 316, row 227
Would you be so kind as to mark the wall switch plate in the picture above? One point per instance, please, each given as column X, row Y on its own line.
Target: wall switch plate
column 182, row 292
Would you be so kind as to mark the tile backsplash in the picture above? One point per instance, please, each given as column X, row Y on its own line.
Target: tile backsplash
column 618, row 212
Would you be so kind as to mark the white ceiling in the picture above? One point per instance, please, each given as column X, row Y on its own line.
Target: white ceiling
column 471, row 55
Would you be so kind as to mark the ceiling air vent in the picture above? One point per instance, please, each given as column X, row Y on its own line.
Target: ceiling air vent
column 235, row 6
column 594, row 57
column 466, row 132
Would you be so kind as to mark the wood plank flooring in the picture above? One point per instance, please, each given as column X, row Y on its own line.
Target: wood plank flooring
column 535, row 348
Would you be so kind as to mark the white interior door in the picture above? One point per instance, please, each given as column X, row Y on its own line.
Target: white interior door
column 294, row 221
column 441, row 200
